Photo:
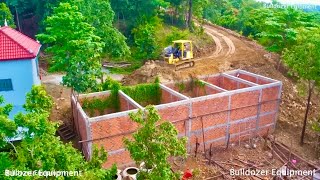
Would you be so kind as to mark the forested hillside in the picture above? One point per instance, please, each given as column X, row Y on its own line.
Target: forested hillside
column 148, row 26
column 79, row 37
column 275, row 28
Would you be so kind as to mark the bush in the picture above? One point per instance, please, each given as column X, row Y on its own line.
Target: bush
column 153, row 143
column 176, row 34
column 38, row 101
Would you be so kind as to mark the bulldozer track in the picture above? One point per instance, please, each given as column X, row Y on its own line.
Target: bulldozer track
column 226, row 40
column 219, row 39
column 230, row 51
column 218, row 44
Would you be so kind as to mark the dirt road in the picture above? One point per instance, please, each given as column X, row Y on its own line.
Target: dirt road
column 230, row 52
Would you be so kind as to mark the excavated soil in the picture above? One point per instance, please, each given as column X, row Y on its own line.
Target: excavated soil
column 149, row 72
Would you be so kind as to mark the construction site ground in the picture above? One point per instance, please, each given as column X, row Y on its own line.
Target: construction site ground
column 231, row 51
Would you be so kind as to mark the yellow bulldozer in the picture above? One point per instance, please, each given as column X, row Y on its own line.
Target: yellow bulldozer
column 179, row 54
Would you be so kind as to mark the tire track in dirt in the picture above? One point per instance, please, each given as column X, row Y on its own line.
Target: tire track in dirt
column 230, row 52
column 220, row 41
column 228, row 41
column 217, row 42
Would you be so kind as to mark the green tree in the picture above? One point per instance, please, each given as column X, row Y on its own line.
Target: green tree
column 255, row 22
column 43, row 9
column 100, row 15
column 31, row 8
column 40, row 149
column 5, row 14
column 22, row 5
column 176, row 6
column 75, row 47
column 276, row 29
column 195, row 8
column 280, row 30
column 198, row 7
column 153, row 143
column 175, row 3
column 38, row 101
column 304, row 60
column 244, row 13
column 141, row 8
column 145, row 38
column 119, row 7
column 132, row 11
column 221, row 12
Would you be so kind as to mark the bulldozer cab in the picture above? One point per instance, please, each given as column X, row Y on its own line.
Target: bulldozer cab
column 183, row 49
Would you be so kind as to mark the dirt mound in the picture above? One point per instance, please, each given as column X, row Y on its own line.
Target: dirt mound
column 148, row 73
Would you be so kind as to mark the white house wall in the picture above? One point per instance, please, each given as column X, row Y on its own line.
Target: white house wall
column 23, row 74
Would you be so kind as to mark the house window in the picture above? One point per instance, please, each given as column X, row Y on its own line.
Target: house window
column 6, row 85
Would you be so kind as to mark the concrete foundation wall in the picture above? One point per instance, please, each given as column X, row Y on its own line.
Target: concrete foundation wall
column 231, row 107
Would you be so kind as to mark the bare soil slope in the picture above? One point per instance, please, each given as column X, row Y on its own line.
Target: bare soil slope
column 230, row 51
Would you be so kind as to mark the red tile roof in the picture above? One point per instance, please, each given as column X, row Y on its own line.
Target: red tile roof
column 15, row 45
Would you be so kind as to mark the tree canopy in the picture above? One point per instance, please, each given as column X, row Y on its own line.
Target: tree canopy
column 304, row 61
column 304, row 57
column 275, row 28
column 100, row 15
column 74, row 46
column 5, row 14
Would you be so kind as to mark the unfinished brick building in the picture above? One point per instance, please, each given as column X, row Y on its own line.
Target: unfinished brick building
column 229, row 107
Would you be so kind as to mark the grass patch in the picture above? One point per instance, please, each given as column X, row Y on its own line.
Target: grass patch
column 144, row 94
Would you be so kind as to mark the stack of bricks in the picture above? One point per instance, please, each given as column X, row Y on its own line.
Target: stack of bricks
column 232, row 106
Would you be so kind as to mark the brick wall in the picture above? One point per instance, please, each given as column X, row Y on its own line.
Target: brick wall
column 196, row 91
column 178, row 114
column 81, row 125
column 249, row 77
column 125, row 104
column 238, row 107
column 110, row 133
column 167, row 97
column 215, row 80
column 203, row 91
